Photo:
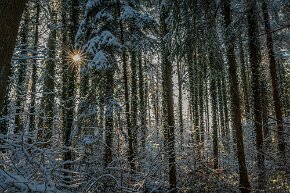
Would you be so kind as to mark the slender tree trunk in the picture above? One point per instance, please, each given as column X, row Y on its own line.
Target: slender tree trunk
column 225, row 104
column 255, row 57
column 196, row 101
column 143, row 112
column 64, row 43
column 157, row 101
column 70, row 80
column 86, row 101
column 109, row 121
column 214, row 106
column 147, row 100
column 202, row 99
column 65, row 70
column 49, row 85
column 21, row 82
column 201, row 109
column 190, row 69
column 127, row 102
column 213, row 65
column 3, row 117
column 4, row 122
column 207, row 106
column 236, row 109
column 101, row 115
column 134, row 105
column 275, row 85
column 10, row 16
column 221, row 107
column 244, row 79
column 223, row 123
column 180, row 105
column 167, row 83
column 265, row 113
column 32, row 119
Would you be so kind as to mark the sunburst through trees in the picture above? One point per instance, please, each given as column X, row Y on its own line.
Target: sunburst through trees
column 76, row 58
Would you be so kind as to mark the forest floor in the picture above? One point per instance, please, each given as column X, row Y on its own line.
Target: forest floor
column 28, row 168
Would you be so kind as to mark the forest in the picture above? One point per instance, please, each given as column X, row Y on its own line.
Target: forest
column 144, row 96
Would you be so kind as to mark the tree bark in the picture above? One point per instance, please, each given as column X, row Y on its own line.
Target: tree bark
column 191, row 80
column 109, row 121
column 70, row 77
column 167, row 84
column 4, row 122
column 201, row 109
column 236, row 109
column 49, row 85
column 10, row 16
column 127, row 102
column 254, row 58
column 34, row 70
column 134, row 106
column 244, row 79
column 180, row 105
column 22, row 66
column 214, row 106
column 274, row 78
column 143, row 112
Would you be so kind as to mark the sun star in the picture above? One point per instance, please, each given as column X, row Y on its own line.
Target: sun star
column 76, row 58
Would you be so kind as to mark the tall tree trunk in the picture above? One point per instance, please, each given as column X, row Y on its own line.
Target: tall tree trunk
column 202, row 93
column 64, row 42
column 167, row 84
column 4, row 121
column 207, row 97
column 49, row 85
column 213, row 62
column 127, row 102
column 143, row 112
column 34, row 69
column 109, row 124
column 156, row 100
column 265, row 114
column 86, row 101
column 236, row 109
column 3, row 116
column 147, row 99
column 225, row 104
column 244, row 79
column 223, row 123
column 191, row 80
column 65, row 70
column 180, row 105
column 101, row 114
column 70, row 80
column 201, row 108
column 21, row 82
column 195, row 84
column 134, row 105
column 221, row 106
column 254, row 58
column 196, row 100
column 275, row 85
column 214, row 112
column 10, row 16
